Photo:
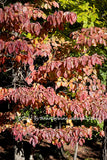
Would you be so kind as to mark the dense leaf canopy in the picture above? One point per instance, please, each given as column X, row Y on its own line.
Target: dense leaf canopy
column 52, row 65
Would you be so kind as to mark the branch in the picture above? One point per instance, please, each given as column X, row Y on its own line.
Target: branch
column 76, row 150
column 2, row 2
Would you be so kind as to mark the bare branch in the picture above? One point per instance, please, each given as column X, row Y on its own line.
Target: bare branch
column 2, row 2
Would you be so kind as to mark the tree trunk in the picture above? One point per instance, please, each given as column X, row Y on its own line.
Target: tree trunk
column 104, row 156
column 76, row 150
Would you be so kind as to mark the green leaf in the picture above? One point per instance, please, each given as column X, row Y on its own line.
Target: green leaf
column 29, row 35
column 85, row 25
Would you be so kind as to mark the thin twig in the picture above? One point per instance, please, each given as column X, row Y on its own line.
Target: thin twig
column 9, row 69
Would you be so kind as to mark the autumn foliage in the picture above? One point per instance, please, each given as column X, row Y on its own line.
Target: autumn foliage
column 32, row 55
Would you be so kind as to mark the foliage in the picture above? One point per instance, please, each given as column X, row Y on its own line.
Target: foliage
column 89, row 12
column 51, row 75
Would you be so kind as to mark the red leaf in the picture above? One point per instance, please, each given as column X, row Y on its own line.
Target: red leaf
column 69, row 64
column 59, row 145
column 52, row 66
column 102, row 133
column 29, row 80
column 55, row 4
column 11, row 47
column 32, row 68
column 65, row 74
column 59, row 73
column 1, row 44
column 35, row 139
column 30, row 61
column 18, row 59
column 51, row 100
column 1, row 15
